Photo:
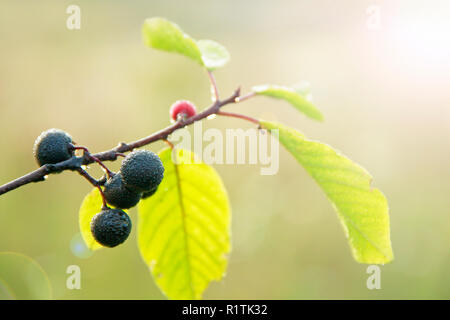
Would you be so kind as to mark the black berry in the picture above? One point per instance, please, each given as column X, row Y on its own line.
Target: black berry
column 52, row 146
column 142, row 171
column 118, row 195
column 111, row 227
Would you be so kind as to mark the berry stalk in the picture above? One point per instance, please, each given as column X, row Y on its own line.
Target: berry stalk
column 95, row 183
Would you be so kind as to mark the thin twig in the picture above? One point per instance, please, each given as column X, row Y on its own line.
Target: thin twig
column 88, row 155
column 238, row 115
column 95, row 183
column 170, row 144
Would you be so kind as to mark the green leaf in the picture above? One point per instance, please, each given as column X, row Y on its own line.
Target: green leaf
column 184, row 228
column 22, row 278
column 362, row 210
column 292, row 96
column 214, row 55
column 91, row 205
column 162, row 34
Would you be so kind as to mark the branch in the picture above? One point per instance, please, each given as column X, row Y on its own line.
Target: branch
column 75, row 163
column 239, row 116
column 40, row 174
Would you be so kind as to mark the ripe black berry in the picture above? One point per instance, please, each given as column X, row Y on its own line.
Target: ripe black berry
column 52, row 146
column 147, row 194
column 142, row 171
column 111, row 227
column 118, row 195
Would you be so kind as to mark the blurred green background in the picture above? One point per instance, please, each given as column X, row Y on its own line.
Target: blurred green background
column 384, row 94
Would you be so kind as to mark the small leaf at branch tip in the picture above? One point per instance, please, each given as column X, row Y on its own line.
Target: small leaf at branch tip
column 214, row 55
column 160, row 33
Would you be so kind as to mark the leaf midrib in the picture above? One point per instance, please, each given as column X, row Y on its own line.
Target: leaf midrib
column 183, row 219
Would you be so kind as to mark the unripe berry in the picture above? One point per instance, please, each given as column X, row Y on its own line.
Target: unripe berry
column 148, row 194
column 117, row 195
column 142, row 171
column 52, row 146
column 182, row 108
column 111, row 227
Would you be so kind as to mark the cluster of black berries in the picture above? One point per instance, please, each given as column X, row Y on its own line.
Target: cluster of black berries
column 140, row 174
column 139, row 177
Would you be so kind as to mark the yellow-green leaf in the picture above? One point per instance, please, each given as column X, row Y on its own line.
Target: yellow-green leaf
column 363, row 210
column 91, row 205
column 22, row 278
column 164, row 35
column 292, row 96
column 184, row 228
column 214, row 55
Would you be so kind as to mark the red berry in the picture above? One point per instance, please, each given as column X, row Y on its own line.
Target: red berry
column 182, row 107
